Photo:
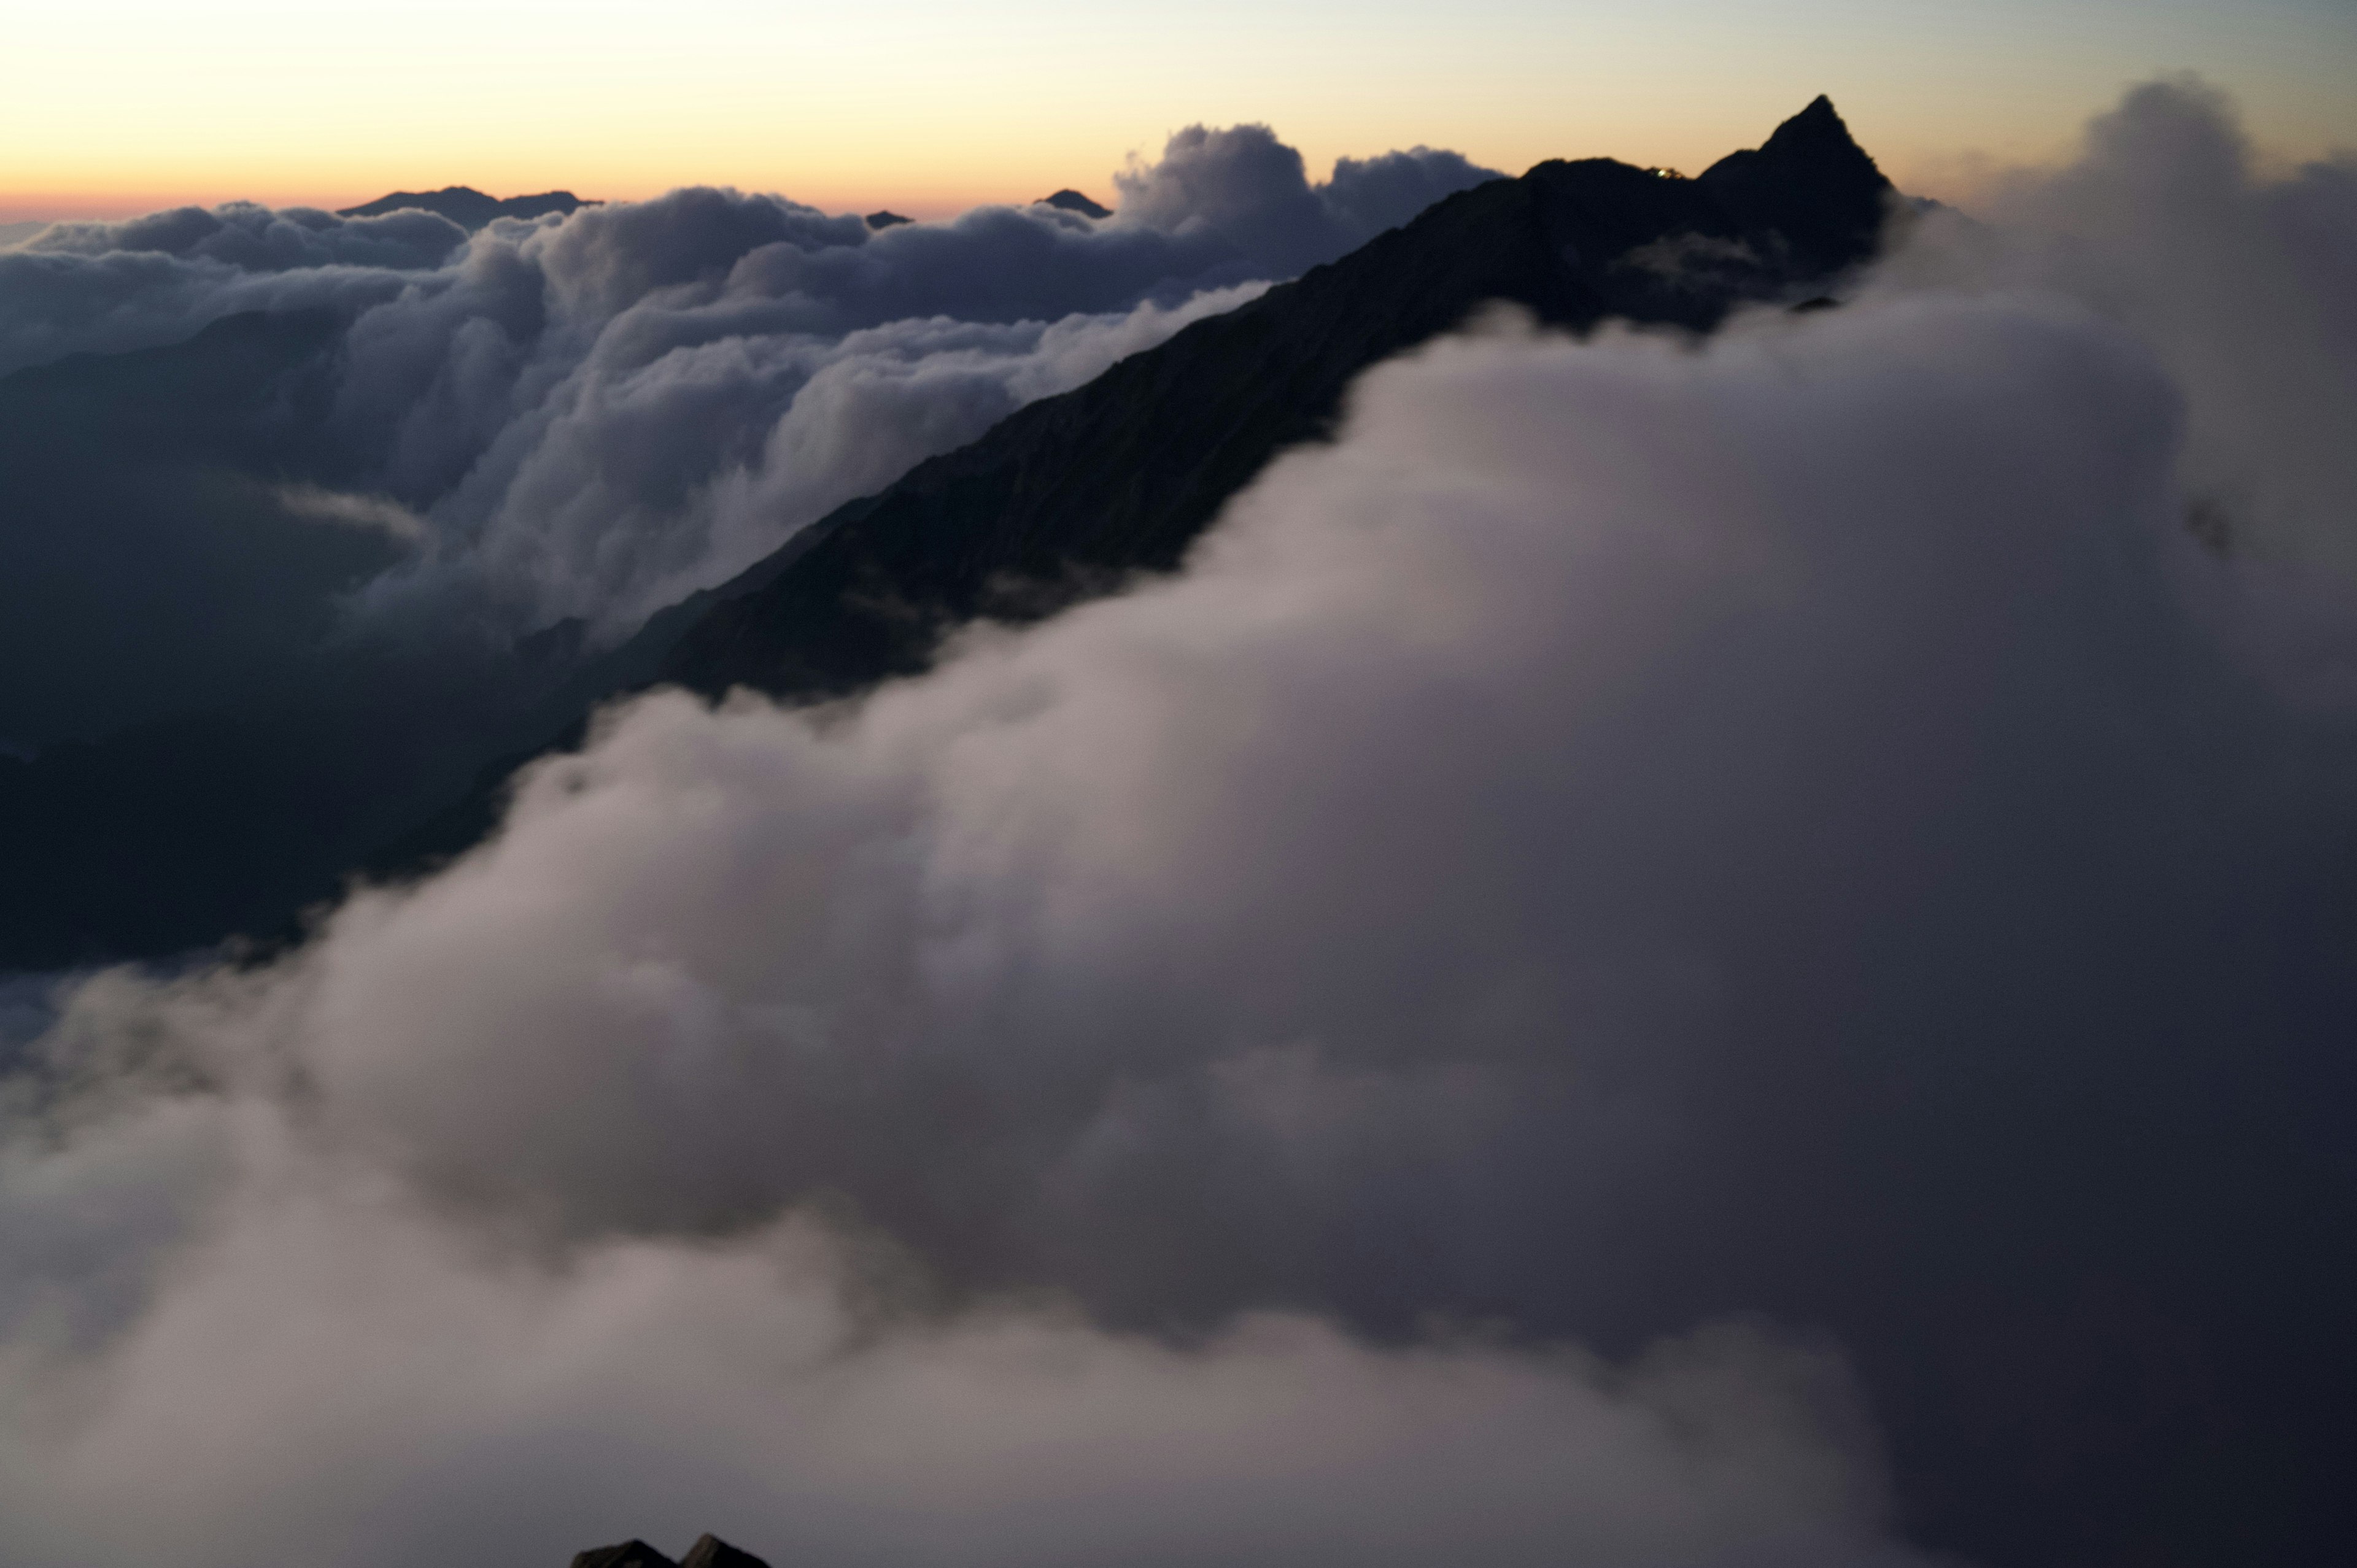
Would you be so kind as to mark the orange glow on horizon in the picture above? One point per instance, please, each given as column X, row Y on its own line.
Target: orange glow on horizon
column 126, row 106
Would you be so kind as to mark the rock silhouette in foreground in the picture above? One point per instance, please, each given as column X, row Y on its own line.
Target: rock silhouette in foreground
column 709, row 1551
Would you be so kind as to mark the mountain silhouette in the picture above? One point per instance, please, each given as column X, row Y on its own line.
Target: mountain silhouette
column 1072, row 200
column 709, row 1551
column 1807, row 183
column 1076, row 493
column 466, row 207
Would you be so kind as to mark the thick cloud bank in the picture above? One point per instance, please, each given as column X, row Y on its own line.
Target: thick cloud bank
column 1201, row 902
column 1630, row 836
column 581, row 417
column 2240, row 286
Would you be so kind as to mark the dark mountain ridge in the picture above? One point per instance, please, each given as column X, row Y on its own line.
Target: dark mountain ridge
column 1074, row 495
column 1079, row 492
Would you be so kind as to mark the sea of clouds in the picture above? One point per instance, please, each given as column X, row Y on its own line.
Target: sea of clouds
column 1777, row 860
column 592, row 415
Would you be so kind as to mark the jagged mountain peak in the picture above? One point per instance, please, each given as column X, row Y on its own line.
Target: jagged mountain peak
column 1052, row 497
column 1819, row 111
column 1812, row 183
column 1817, row 131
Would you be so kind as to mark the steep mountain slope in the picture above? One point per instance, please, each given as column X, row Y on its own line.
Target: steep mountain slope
column 1075, row 492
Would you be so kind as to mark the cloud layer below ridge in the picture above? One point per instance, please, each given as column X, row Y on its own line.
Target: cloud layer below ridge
column 590, row 417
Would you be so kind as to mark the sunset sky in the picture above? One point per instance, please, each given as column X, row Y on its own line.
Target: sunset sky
column 115, row 106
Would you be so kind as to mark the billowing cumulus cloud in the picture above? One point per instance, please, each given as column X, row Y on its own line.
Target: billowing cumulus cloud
column 1242, row 185
column 1630, row 836
column 655, row 469
column 2239, row 285
column 699, row 321
column 588, row 416
column 258, row 238
column 337, row 1377
column 1207, row 903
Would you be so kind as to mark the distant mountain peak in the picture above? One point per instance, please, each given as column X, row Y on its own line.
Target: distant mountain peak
column 632, row 1554
column 1072, row 200
column 466, row 207
column 885, row 218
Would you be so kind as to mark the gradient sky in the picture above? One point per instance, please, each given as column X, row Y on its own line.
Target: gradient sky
column 114, row 106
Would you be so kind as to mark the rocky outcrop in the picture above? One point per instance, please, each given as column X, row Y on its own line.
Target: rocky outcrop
column 709, row 1551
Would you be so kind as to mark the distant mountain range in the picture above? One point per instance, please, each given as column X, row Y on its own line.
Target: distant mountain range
column 466, row 207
